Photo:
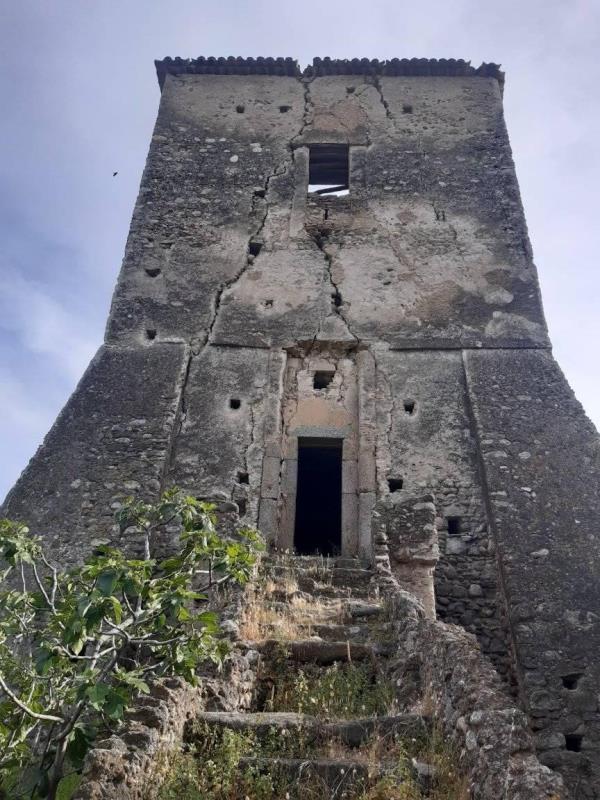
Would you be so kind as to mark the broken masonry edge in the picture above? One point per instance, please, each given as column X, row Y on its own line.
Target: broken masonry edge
column 289, row 67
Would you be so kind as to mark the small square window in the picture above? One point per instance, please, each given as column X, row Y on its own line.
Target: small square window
column 329, row 170
column 234, row 403
column 571, row 681
column 395, row 484
column 454, row 526
column 322, row 379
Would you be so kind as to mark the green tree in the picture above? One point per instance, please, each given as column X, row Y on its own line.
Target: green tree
column 78, row 645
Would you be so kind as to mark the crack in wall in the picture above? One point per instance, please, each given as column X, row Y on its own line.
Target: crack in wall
column 308, row 108
column 321, row 239
column 198, row 345
column 376, row 82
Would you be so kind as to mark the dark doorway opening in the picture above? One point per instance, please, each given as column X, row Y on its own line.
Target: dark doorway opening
column 319, row 497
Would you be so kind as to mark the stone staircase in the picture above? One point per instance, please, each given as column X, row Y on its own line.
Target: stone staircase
column 322, row 721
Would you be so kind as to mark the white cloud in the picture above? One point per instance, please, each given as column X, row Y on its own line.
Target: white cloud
column 42, row 325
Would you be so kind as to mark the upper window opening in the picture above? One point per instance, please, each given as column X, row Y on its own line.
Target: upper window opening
column 322, row 378
column 329, row 171
column 454, row 526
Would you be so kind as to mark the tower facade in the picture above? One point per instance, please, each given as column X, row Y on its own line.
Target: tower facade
column 329, row 320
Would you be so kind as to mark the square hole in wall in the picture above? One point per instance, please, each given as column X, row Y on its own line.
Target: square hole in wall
column 454, row 526
column 573, row 742
column 409, row 407
column 322, row 378
column 284, row 109
column 329, row 169
column 242, row 505
column 235, row 403
column 151, row 333
column 243, row 477
column 395, row 484
column 152, row 272
column 571, row 681
column 240, row 109
column 407, row 108
column 254, row 247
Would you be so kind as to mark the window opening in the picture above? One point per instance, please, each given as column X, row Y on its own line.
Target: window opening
column 454, row 526
column 409, row 406
column 235, row 403
column 395, row 484
column 571, row 681
column 240, row 109
column 323, row 378
column 284, row 109
column 254, row 247
column 242, row 505
column 243, row 477
column 407, row 108
column 152, row 272
column 573, row 742
column 150, row 333
column 329, row 170
column 318, row 527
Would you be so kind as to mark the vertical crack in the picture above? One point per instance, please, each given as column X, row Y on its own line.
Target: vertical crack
column 377, row 84
column 320, row 237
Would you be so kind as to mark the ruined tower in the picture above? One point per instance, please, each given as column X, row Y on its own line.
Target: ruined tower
column 328, row 314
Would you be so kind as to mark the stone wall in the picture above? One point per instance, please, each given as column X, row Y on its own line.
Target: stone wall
column 442, row 665
column 541, row 458
column 426, row 441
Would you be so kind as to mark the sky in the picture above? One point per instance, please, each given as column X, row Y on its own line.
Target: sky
column 79, row 97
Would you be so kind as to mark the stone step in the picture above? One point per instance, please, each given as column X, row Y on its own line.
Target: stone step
column 309, row 589
column 332, row 632
column 351, row 733
column 329, row 774
column 346, row 609
column 318, row 651
column 361, row 609
column 292, row 562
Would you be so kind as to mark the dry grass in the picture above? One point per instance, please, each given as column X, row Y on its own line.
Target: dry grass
column 267, row 615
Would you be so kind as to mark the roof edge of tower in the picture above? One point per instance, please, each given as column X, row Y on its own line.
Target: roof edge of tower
column 289, row 67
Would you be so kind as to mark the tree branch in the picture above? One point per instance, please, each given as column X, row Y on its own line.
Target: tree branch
column 26, row 709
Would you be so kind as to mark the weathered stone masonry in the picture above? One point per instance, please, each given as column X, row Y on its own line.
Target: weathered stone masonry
column 416, row 292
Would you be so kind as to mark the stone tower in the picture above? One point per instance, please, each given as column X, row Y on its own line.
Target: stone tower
column 328, row 314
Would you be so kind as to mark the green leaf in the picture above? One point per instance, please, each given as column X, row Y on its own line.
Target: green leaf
column 77, row 747
column 114, row 705
column 132, row 679
column 117, row 609
column 43, row 661
column 68, row 786
column 107, row 582
column 97, row 694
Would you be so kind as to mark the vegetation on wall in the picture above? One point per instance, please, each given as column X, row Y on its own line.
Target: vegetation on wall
column 78, row 645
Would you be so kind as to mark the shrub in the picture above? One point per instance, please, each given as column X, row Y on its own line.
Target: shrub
column 78, row 645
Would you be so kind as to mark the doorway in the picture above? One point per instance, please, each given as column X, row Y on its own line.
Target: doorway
column 318, row 526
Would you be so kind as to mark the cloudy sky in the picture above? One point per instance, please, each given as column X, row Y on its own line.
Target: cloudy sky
column 79, row 97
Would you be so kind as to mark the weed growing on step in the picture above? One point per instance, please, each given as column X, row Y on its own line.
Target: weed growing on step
column 214, row 768
column 341, row 690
